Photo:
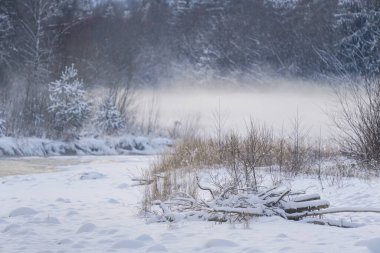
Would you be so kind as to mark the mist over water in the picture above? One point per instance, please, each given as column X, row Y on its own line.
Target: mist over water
column 276, row 107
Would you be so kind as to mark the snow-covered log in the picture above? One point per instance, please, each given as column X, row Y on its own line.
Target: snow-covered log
column 308, row 197
column 298, row 207
column 236, row 205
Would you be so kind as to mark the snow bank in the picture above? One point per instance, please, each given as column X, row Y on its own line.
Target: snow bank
column 121, row 145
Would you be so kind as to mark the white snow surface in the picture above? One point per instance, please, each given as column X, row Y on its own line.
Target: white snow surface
column 61, row 212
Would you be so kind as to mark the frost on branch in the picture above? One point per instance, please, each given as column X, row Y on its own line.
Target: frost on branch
column 68, row 105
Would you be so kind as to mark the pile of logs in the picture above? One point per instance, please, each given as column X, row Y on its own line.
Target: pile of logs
column 240, row 205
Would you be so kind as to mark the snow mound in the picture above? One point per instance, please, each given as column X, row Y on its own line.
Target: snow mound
column 87, row 227
column 65, row 242
column 52, row 220
column 128, row 244
column 220, row 243
column 123, row 186
column 113, row 201
column 63, row 200
column 79, row 245
column 91, row 176
column 157, row 248
column 11, row 228
column 22, row 211
column 72, row 213
column 373, row 244
column 144, row 238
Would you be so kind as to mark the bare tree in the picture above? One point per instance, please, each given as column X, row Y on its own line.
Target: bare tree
column 5, row 31
column 297, row 147
column 219, row 119
column 6, row 36
column 35, row 26
column 256, row 149
column 124, row 95
column 358, row 120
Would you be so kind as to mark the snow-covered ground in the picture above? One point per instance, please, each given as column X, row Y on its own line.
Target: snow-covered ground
column 91, row 205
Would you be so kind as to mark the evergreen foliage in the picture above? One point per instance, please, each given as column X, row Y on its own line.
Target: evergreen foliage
column 109, row 119
column 68, row 105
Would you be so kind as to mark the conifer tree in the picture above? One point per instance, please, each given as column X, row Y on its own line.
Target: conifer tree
column 68, row 105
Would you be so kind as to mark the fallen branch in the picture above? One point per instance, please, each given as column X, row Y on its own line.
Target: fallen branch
column 165, row 210
column 250, row 211
column 281, row 197
column 334, row 223
column 237, row 206
column 307, row 198
column 205, row 188
column 265, row 194
column 299, row 216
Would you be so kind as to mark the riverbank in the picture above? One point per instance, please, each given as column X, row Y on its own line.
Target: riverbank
column 104, row 145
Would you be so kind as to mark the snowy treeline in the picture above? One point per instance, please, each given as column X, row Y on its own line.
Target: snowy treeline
column 139, row 39
column 123, row 44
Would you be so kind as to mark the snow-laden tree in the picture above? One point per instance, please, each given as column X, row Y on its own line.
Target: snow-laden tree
column 109, row 119
column 359, row 46
column 68, row 105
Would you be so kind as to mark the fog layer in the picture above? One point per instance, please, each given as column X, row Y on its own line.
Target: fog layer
column 234, row 107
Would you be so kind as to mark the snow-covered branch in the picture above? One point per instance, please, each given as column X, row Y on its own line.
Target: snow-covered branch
column 234, row 206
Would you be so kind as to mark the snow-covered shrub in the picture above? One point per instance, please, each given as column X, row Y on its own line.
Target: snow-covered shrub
column 109, row 119
column 238, row 161
column 2, row 127
column 68, row 105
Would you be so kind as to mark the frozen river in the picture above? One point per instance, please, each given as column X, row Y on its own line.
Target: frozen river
column 36, row 165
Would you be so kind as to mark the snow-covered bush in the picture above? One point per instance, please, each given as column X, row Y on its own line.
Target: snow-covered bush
column 2, row 127
column 109, row 119
column 68, row 105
